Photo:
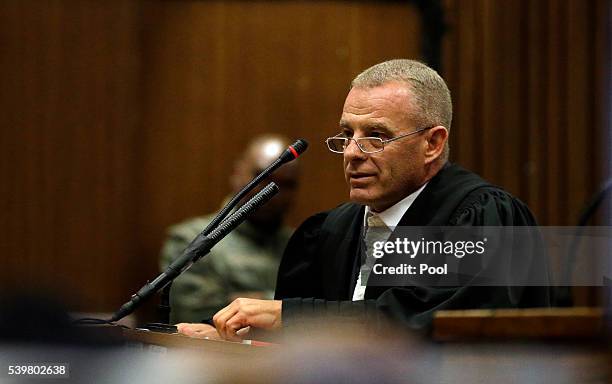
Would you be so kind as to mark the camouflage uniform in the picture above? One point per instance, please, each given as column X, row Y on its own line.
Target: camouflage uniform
column 245, row 261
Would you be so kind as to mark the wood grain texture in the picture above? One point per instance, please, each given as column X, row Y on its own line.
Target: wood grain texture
column 526, row 78
column 580, row 323
column 70, row 119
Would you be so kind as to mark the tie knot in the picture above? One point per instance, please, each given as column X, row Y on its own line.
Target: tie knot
column 375, row 221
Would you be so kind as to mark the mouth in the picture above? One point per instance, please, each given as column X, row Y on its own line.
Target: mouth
column 359, row 179
column 359, row 175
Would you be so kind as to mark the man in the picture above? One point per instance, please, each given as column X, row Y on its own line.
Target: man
column 245, row 263
column 394, row 140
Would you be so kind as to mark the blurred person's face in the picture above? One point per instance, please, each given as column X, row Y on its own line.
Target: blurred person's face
column 381, row 179
column 274, row 212
column 286, row 177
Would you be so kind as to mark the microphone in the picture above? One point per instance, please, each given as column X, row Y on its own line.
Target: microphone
column 294, row 151
column 291, row 153
column 202, row 244
column 198, row 248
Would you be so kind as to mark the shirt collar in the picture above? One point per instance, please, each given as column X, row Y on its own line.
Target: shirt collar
column 392, row 215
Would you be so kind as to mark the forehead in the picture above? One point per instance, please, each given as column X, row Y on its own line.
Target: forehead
column 388, row 104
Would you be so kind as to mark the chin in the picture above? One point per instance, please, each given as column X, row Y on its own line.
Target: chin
column 360, row 196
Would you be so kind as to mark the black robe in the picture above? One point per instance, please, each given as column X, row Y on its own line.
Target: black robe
column 319, row 268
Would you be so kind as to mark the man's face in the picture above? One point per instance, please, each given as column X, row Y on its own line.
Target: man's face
column 381, row 179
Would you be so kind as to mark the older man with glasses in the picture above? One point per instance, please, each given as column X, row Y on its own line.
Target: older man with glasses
column 394, row 142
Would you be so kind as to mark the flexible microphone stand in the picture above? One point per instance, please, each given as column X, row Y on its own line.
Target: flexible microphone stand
column 198, row 248
column 291, row 153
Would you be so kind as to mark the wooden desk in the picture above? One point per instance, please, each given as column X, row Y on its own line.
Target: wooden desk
column 519, row 324
column 177, row 341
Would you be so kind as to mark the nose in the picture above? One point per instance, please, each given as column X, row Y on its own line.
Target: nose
column 352, row 152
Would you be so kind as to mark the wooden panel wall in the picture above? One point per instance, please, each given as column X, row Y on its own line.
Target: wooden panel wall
column 69, row 129
column 529, row 85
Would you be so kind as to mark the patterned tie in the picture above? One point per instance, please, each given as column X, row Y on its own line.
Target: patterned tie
column 376, row 230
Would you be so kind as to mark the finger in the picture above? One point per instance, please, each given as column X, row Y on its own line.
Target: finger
column 221, row 321
column 187, row 330
column 211, row 334
column 237, row 326
column 222, row 313
column 206, row 332
column 230, row 328
column 231, row 334
column 217, row 318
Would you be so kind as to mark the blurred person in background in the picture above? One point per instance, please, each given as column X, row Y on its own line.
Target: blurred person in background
column 245, row 263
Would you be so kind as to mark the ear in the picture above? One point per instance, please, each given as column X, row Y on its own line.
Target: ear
column 436, row 140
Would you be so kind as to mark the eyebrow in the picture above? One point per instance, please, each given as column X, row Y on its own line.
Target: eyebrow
column 370, row 127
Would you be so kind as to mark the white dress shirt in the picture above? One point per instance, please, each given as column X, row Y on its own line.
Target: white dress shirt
column 391, row 217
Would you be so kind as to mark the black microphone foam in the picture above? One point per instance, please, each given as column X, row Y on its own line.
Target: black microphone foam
column 294, row 151
column 240, row 215
column 300, row 146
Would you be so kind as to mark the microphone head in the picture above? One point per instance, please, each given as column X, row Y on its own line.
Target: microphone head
column 294, row 150
column 300, row 146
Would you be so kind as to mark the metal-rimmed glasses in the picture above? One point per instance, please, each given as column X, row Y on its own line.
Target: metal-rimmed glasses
column 338, row 144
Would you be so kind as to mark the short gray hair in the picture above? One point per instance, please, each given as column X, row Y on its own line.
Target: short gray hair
column 433, row 100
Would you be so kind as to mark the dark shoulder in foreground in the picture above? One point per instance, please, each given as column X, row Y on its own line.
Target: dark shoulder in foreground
column 456, row 196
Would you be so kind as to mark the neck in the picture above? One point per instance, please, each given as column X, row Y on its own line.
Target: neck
column 431, row 170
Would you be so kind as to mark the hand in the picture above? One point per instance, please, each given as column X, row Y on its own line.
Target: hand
column 200, row 331
column 249, row 294
column 242, row 313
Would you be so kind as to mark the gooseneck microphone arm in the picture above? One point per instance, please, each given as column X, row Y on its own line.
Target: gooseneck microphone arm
column 290, row 154
column 203, row 243
column 199, row 247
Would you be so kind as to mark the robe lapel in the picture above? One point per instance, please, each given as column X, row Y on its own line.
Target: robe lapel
column 341, row 252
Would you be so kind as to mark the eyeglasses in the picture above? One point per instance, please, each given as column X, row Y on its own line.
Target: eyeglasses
column 338, row 144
